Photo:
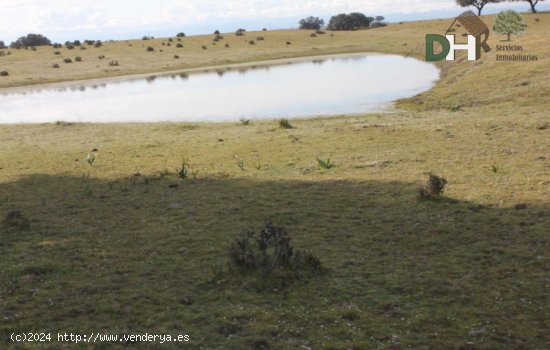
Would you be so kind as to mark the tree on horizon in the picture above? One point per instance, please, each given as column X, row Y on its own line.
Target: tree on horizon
column 478, row 4
column 533, row 4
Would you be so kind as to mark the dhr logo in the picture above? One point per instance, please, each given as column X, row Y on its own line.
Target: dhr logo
column 477, row 39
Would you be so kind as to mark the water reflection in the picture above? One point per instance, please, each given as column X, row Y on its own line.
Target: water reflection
column 326, row 86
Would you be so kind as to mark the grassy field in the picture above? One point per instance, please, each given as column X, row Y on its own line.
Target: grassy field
column 125, row 246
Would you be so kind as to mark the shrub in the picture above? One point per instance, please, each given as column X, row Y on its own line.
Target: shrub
column 68, row 60
column 78, row 59
column 4, row 73
column 16, row 220
column 179, row 45
column 57, row 53
column 98, row 44
column 434, row 187
column 101, row 57
column 176, row 56
column 271, row 254
column 288, row 43
column 260, row 38
column 170, row 40
column 245, row 121
column 240, row 32
column 325, row 164
column 285, row 124
column 70, row 46
column 251, row 42
column 226, row 45
column 313, row 35
column 150, row 49
column 113, row 63
column 56, row 46
column 204, row 47
column 183, row 171
column 180, row 35
column 55, row 65
column 217, row 32
column 83, row 48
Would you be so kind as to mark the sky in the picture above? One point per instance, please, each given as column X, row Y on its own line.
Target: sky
column 62, row 20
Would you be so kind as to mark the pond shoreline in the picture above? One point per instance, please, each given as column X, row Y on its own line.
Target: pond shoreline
column 206, row 69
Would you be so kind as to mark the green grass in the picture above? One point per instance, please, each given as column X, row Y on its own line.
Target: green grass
column 116, row 250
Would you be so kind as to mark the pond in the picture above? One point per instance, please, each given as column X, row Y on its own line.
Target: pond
column 329, row 85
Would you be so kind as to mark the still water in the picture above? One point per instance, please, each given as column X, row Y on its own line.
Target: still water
column 328, row 86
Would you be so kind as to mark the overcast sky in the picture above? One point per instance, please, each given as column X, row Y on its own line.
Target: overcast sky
column 62, row 20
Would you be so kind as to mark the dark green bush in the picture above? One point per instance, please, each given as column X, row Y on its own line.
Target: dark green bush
column 4, row 73
column 434, row 187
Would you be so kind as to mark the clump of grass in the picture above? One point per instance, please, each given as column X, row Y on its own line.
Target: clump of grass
column 313, row 35
column 113, row 63
column 285, row 124
column 4, row 73
column 325, row 164
column 251, row 42
column 260, row 38
column 320, row 32
column 204, row 47
column 179, row 45
column 57, row 53
column 226, row 45
column 56, row 65
column 270, row 254
column 91, row 158
column 288, row 43
column 78, row 59
column 245, row 121
column 176, row 56
column 455, row 108
column 16, row 220
column 183, row 171
column 150, row 49
column 101, row 57
column 434, row 187
column 68, row 60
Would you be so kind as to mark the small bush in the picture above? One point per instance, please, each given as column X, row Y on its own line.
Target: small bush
column 98, row 44
column 57, row 53
column 183, row 171
column 271, row 254
column 4, row 73
column 313, row 35
column 251, row 42
column 83, row 48
column 56, row 46
column 288, row 43
column 70, row 46
column 15, row 220
column 150, row 49
column 113, row 63
column 285, row 124
column 78, row 59
column 68, row 60
column 56, row 65
column 320, row 32
column 434, row 187
column 101, row 57
column 226, row 45
column 217, row 32
column 260, row 38
column 179, row 45
column 245, row 121
column 204, row 47
column 180, row 35
column 176, row 57
column 325, row 164
column 170, row 40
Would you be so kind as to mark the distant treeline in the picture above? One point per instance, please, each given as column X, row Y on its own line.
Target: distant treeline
column 343, row 21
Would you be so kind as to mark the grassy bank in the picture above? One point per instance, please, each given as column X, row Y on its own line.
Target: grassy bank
column 125, row 246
